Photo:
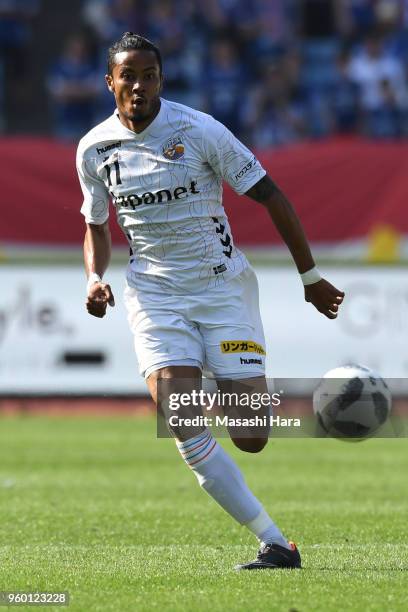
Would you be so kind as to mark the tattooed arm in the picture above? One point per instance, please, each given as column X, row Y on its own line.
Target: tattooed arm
column 324, row 296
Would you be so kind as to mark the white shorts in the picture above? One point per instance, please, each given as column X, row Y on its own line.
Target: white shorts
column 219, row 331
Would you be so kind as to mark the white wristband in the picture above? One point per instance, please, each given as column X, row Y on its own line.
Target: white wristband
column 311, row 276
column 93, row 278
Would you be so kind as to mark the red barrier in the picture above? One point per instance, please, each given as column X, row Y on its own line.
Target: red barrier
column 340, row 188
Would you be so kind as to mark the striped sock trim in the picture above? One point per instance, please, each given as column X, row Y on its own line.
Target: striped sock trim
column 192, row 441
column 201, row 459
column 197, row 449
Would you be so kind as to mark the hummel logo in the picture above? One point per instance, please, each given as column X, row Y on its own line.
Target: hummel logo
column 114, row 145
column 248, row 361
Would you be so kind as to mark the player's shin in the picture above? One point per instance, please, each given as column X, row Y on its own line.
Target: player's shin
column 220, row 477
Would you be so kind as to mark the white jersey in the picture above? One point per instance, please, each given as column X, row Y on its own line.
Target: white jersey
column 166, row 186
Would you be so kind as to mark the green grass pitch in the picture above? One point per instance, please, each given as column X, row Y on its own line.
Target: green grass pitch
column 101, row 508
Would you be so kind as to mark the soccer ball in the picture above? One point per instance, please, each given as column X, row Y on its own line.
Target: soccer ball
column 351, row 402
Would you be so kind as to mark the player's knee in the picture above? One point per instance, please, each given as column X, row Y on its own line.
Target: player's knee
column 250, row 445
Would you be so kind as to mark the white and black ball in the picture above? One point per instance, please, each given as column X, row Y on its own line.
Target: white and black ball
column 351, row 402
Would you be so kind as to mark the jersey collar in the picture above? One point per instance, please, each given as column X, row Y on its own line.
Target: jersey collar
column 139, row 135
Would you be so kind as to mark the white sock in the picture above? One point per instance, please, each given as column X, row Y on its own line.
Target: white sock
column 220, row 477
column 266, row 531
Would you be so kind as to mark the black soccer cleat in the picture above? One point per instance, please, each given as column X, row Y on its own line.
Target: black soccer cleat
column 273, row 556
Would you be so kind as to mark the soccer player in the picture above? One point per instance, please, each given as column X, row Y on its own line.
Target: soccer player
column 191, row 295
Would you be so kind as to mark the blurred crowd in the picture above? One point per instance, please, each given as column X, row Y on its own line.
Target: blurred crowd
column 15, row 37
column 274, row 71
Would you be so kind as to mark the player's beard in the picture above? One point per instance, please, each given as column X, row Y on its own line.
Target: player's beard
column 150, row 110
column 138, row 116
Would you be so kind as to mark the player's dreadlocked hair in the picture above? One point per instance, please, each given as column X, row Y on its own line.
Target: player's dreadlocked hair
column 128, row 42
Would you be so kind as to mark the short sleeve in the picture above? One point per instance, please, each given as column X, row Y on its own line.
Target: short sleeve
column 95, row 206
column 229, row 158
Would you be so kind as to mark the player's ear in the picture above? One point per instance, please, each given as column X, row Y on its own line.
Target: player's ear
column 109, row 82
column 161, row 83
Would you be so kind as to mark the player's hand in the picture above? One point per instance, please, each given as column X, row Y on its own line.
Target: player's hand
column 99, row 296
column 325, row 297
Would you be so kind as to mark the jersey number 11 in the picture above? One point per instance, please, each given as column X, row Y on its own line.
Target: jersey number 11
column 108, row 168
